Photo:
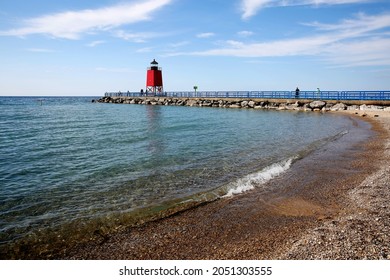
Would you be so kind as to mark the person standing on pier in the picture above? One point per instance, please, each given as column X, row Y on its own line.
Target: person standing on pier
column 297, row 92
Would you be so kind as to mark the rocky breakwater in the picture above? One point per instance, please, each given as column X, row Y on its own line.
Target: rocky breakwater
column 298, row 105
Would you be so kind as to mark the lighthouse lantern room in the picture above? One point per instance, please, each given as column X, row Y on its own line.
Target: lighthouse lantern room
column 154, row 83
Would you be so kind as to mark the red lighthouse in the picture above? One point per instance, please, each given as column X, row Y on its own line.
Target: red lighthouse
column 154, row 83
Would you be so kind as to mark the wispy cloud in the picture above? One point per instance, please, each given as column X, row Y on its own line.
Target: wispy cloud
column 371, row 52
column 362, row 40
column 288, row 47
column 95, row 43
column 362, row 23
column 251, row 7
column 205, row 35
column 136, row 37
column 245, row 33
column 179, row 44
column 73, row 24
column 144, row 50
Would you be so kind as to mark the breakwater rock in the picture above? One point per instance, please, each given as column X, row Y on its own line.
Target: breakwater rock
column 293, row 104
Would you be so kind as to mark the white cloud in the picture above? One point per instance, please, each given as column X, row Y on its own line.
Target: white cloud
column 73, row 24
column 235, row 44
column 251, row 7
column 374, row 51
column 179, row 44
column 137, row 37
column 245, row 33
column 205, row 35
column 301, row 46
column 144, row 50
column 95, row 43
column 361, row 24
column 363, row 40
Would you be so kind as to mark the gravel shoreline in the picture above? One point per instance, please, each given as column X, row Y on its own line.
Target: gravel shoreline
column 362, row 230
column 346, row 218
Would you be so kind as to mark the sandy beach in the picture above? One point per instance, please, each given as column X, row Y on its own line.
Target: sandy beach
column 340, row 213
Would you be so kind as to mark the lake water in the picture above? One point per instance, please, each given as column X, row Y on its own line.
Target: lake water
column 70, row 168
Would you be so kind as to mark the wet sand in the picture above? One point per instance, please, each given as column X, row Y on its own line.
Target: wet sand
column 334, row 208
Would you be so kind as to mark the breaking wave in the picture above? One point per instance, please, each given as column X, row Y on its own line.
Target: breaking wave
column 250, row 181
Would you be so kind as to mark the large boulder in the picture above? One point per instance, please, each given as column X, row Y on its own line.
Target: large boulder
column 317, row 105
column 353, row 108
column 306, row 107
column 244, row 104
column 192, row 102
column 338, row 107
column 365, row 107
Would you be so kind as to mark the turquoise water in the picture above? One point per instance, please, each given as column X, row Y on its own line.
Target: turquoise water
column 70, row 167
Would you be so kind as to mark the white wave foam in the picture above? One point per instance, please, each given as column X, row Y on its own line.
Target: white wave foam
column 250, row 181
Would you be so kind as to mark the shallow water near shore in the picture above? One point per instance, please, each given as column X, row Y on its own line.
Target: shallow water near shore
column 72, row 169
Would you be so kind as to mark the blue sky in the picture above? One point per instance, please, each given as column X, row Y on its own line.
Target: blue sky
column 74, row 47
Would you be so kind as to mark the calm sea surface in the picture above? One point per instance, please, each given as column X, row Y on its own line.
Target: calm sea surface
column 69, row 167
